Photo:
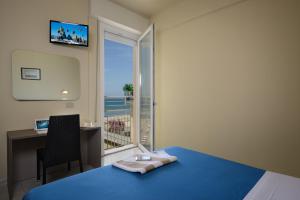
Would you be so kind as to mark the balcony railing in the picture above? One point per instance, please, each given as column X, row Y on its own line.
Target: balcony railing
column 117, row 122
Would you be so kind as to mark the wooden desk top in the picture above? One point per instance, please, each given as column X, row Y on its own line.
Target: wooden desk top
column 31, row 133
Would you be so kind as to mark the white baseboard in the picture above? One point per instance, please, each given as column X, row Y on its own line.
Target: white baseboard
column 3, row 181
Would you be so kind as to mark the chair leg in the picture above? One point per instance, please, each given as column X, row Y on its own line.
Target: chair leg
column 80, row 165
column 69, row 165
column 38, row 168
column 44, row 174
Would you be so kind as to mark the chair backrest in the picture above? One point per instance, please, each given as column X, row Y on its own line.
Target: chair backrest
column 63, row 140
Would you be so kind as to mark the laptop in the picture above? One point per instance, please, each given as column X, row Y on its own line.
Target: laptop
column 41, row 125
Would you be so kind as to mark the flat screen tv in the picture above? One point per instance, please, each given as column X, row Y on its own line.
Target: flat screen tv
column 69, row 33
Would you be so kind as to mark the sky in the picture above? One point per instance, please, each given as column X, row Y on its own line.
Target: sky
column 118, row 68
column 69, row 28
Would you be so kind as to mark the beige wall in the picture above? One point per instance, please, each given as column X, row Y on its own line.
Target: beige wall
column 25, row 25
column 228, row 80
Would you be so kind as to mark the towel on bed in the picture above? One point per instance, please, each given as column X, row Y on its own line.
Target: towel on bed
column 158, row 159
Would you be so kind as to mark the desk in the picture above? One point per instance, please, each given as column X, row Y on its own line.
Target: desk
column 21, row 152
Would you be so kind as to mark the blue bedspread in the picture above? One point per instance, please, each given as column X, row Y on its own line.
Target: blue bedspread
column 196, row 176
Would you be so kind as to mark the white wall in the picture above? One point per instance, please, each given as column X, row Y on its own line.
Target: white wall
column 25, row 25
column 109, row 10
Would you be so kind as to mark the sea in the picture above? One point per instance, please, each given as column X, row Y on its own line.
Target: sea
column 117, row 106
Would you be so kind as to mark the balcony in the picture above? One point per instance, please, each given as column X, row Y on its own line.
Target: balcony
column 118, row 120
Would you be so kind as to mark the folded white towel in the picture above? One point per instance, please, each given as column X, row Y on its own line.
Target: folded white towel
column 158, row 159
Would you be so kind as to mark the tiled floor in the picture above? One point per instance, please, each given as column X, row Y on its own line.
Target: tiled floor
column 24, row 186
column 3, row 193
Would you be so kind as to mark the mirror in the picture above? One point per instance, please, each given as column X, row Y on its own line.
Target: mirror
column 41, row 76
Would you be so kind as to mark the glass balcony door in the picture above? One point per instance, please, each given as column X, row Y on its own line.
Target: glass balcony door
column 118, row 116
column 146, row 91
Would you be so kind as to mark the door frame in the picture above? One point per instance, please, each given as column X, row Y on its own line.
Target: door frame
column 106, row 25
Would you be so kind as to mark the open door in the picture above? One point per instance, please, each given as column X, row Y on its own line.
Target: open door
column 145, row 90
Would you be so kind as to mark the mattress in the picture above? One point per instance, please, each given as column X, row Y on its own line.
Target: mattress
column 194, row 176
column 274, row 186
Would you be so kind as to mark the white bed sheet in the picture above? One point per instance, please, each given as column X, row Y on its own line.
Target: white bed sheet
column 274, row 186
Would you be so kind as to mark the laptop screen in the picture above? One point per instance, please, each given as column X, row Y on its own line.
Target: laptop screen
column 42, row 124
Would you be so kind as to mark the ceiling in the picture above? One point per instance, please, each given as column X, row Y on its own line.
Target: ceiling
column 146, row 8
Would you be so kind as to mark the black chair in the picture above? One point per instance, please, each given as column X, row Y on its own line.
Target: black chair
column 62, row 144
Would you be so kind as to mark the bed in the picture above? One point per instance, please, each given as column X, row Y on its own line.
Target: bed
column 194, row 176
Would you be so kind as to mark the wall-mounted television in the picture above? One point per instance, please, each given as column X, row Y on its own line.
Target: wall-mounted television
column 69, row 33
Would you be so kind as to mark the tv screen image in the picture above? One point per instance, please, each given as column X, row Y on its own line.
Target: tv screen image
column 69, row 33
